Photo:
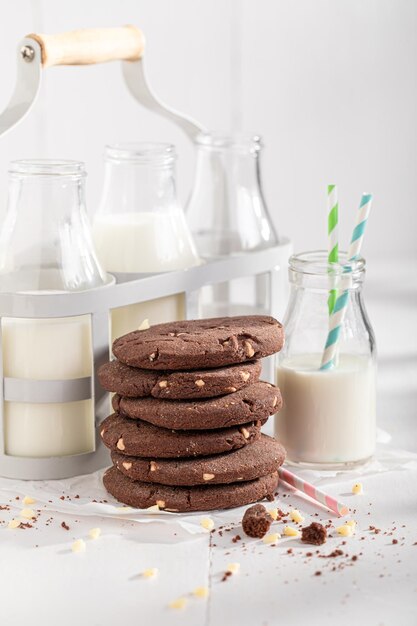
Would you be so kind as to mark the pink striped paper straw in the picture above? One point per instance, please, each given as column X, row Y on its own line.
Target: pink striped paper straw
column 310, row 490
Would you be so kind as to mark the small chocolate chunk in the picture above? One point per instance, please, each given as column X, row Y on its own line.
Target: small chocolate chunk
column 256, row 521
column 315, row 534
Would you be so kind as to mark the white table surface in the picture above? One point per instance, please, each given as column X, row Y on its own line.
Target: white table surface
column 43, row 582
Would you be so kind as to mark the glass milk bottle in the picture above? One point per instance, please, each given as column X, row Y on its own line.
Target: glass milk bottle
column 46, row 246
column 141, row 228
column 329, row 415
column 227, row 215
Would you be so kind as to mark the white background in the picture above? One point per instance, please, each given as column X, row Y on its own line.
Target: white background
column 330, row 84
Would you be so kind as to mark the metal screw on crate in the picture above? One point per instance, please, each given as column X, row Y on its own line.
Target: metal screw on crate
column 28, row 53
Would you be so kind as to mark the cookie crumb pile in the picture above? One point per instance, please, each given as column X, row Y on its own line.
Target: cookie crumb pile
column 189, row 407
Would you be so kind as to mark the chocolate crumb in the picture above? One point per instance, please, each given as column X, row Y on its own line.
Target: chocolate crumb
column 256, row 521
column 62, row 497
column 354, row 557
column 318, row 573
column 236, row 538
column 289, row 551
column 64, row 525
column 315, row 534
column 395, row 541
column 332, row 555
column 25, row 525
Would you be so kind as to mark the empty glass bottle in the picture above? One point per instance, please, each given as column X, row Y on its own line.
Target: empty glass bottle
column 227, row 215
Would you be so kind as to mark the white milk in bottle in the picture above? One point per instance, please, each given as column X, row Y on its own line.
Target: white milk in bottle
column 328, row 417
column 140, row 227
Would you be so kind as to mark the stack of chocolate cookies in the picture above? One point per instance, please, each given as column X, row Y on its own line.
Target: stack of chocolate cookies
column 189, row 407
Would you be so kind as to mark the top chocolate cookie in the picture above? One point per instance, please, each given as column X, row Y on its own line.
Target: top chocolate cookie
column 198, row 344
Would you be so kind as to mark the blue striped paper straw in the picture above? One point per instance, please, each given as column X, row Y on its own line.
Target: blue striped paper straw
column 339, row 311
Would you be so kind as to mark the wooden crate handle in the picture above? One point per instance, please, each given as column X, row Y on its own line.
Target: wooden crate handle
column 91, row 45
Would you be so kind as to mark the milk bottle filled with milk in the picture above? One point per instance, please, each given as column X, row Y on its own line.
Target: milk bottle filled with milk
column 140, row 227
column 329, row 415
column 46, row 247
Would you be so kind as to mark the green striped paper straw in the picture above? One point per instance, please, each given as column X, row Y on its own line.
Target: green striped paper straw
column 333, row 237
column 339, row 310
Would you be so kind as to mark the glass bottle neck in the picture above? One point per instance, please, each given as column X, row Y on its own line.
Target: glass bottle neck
column 139, row 181
column 312, row 271
column 226, row 210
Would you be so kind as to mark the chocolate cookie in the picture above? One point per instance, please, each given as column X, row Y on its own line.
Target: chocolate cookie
column 183, row 499
column 263, row 457
column 145, row 440
column 199, row 344
column 258, row 401
column 137, row 383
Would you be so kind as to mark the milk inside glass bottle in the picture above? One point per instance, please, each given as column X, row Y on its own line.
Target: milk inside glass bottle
column 140, row 227
column 227, row 215
column 46, row 247
column 328, row 419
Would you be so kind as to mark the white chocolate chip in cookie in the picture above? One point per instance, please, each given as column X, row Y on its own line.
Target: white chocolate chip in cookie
column 245, row 432
column 231, row 390
column 120, row 444
column 208, row 476
column 274, row 404
column 160, row 504
column 245, row 376
column 152, row 356
column 153, row 466
column 249, row 351
column 163, row 384
column 127, row 465
column 199, row 383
